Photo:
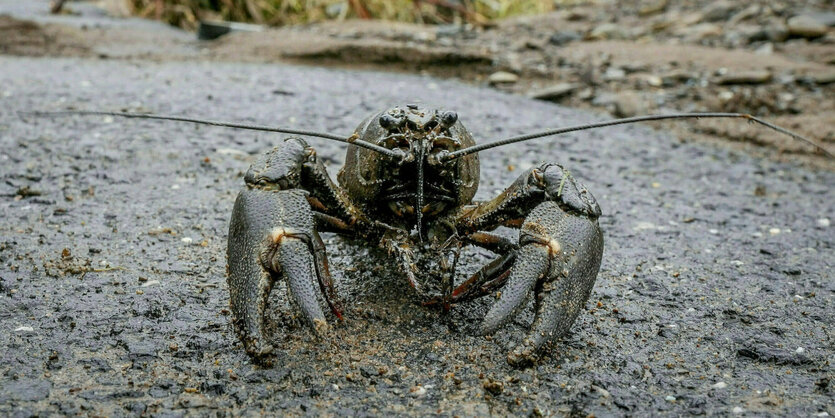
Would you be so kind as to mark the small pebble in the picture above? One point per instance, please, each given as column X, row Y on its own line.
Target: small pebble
column 670, row 398
column 799, row 350
column 187, row 240
column 418, row 391
column 823, row 222
column 806, row 26
column 24, row 329
column 603, row 392
column 720, row 385
column 150, row 283
column 774, row 231
column 738, row 410
column 503, row 77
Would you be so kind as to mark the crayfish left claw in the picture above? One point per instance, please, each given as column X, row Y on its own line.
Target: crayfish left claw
column 272, row 236
column 559, row 258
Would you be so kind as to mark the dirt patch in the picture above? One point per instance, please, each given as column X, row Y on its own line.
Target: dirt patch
column 20, row 37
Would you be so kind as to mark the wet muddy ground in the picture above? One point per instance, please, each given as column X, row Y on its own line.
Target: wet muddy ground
column 715, row 294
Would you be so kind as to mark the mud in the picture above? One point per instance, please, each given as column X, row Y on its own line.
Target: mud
column 714, row 296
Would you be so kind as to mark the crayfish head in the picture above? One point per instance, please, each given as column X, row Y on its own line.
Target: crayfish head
column 420, row 186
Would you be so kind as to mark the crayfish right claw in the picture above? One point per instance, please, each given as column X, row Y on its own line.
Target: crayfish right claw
column 557, row 262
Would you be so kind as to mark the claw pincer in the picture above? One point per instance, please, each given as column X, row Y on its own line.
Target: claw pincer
column 559, row 260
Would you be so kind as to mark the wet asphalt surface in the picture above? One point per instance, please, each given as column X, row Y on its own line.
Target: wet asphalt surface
column 715, row 295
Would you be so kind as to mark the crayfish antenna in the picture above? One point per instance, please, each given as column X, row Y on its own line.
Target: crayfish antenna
column 348, row 140
column 521, row 138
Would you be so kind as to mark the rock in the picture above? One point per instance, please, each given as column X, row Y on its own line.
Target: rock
column 653, row 80
column 700, row 31
column 774, row 32
column 719, row 385
column 577, row 15
column 603, row 392
column 503, row 77
column 765, row 49
column 824, row 18
column 417, row 391
column 614, row 74
column 607, row 31
column 823, row 223
column 719, row 11
column 652, row 7
column 675, row 77
column 565, row 36
column 806, row 27
column 556, row 91
column 628, row 104
column 586, row 94
column 746, row 13
column 826, row 77
column 745, row 77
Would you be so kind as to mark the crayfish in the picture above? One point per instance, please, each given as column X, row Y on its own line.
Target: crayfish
column 407, row 185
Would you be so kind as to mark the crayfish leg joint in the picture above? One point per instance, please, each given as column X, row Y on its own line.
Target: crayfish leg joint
column 278, row 234
column 554, row 247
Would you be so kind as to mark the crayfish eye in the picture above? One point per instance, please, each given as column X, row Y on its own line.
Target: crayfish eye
column 449, row 118
column 390, row 122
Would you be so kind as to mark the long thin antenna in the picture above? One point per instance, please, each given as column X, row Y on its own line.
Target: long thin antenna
column 419, row 197
column 478, row 148
column 332, row 137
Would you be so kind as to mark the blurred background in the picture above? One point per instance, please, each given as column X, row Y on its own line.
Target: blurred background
column 774, row 59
